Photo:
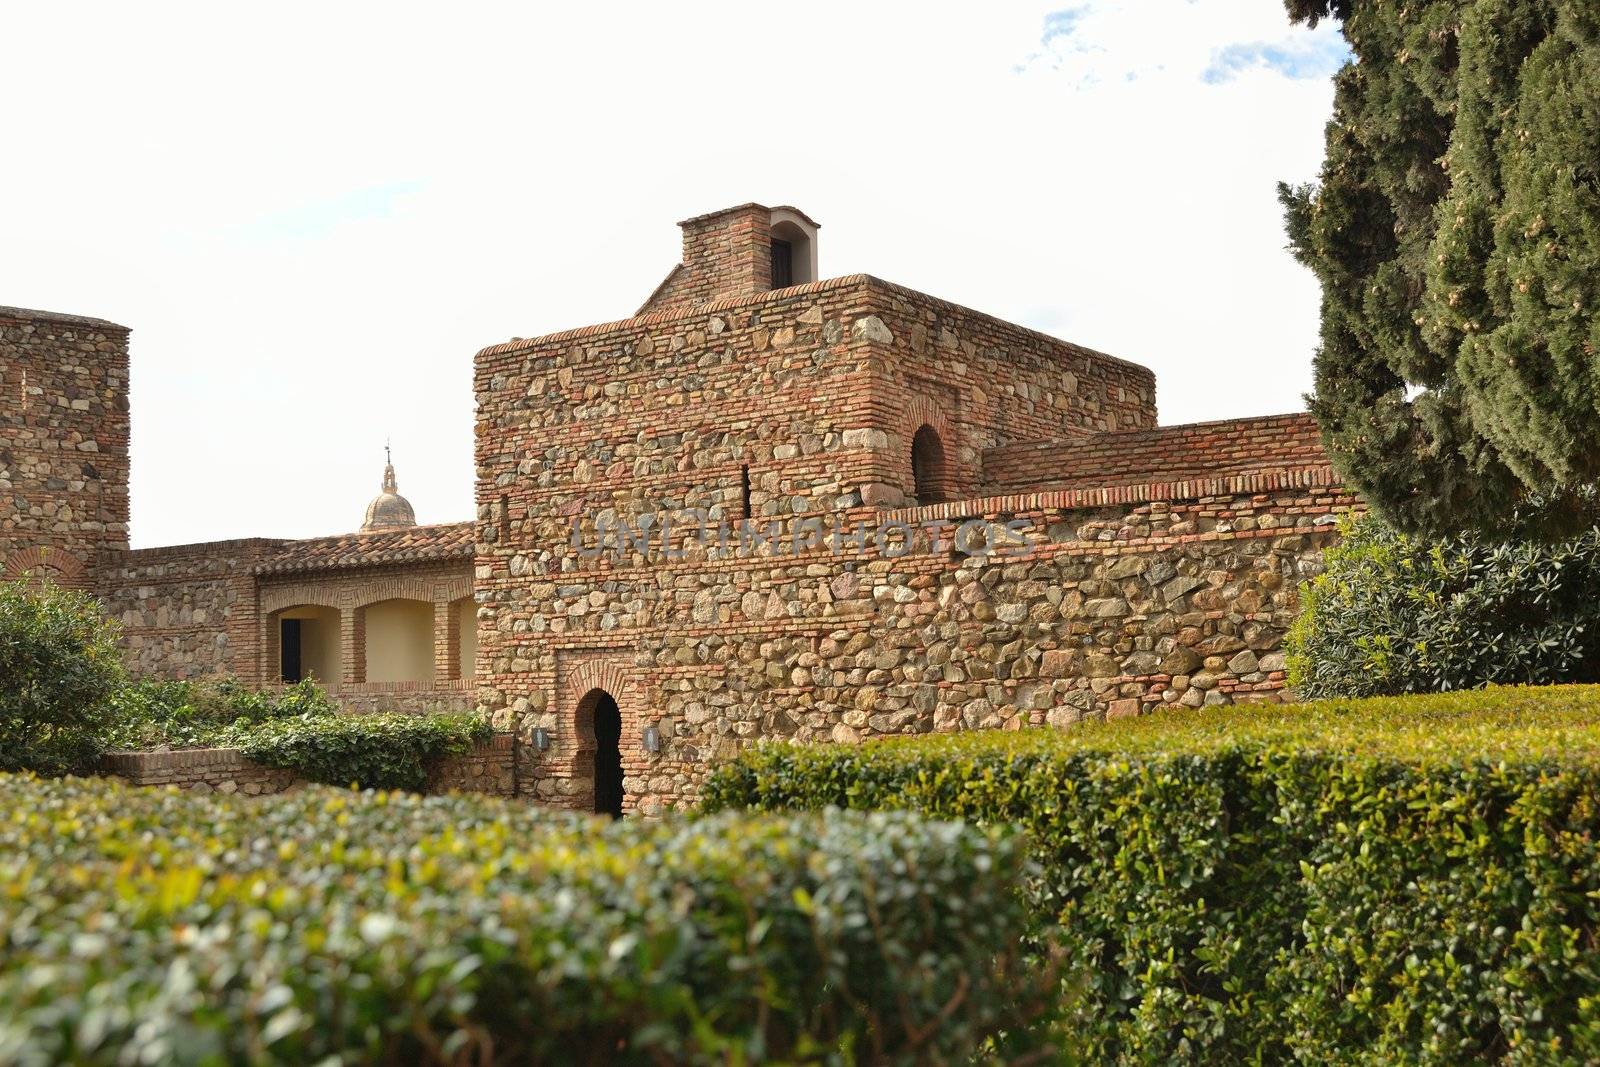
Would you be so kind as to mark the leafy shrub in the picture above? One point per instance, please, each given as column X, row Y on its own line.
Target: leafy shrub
column 59, row 665
column 158, row 713
column 1395, row 880
column 385, row 751
column 155, row 926
column 298, row 728
column 1397, row 614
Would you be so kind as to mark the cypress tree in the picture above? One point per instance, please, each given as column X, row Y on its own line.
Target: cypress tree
column 1456, row 232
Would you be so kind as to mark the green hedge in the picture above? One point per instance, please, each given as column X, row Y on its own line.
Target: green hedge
column 385, row 751
column 1394, row 614
column 165, row 713
column 1383, row 881
column 298, row 728
column 156, row 926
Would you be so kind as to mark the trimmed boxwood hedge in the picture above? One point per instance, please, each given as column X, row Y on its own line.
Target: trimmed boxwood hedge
column 156, row 926
column 1380, row 881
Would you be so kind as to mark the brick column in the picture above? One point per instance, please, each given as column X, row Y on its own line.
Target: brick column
column 244, row 631
column 353, row 645
column 269, row 657
column 446, row 647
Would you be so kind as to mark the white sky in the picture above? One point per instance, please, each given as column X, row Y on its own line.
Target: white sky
column 312, row 215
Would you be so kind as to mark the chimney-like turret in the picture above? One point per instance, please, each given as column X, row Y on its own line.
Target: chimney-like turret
column 739, row 251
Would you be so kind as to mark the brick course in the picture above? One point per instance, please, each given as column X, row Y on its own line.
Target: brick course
column 1159, row 454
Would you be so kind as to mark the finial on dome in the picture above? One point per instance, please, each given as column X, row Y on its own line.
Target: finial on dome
column 389, row 484
column 389, row 510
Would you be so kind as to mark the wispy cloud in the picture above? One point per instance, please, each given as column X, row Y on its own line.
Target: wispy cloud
column 340, row 242
column 1109, row 42
column 1062, row 23
column 317, row 219
column 1308, row 57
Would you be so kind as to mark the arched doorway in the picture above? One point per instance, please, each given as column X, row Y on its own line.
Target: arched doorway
column 604, row 733
column 928, row 466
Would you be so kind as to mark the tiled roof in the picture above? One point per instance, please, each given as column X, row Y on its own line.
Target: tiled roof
column 380, row 548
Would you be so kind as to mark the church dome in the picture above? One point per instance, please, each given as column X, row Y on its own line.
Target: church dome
column 389, row 510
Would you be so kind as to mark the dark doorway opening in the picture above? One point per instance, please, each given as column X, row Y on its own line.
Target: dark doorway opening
column 607, row 756
column 782, row 264
column 289, row 642
column 927, row 466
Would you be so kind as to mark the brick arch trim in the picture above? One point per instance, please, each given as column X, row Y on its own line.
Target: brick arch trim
column 589, row 675
column 69, row 570
column 428, row 590
column 924, row 410
column 593, row 669
column 295, row 596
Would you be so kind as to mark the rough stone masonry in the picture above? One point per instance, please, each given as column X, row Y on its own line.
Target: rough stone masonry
column 922, row 518
column 1147, row 566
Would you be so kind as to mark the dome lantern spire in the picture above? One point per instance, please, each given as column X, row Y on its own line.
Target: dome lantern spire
column 389, row 484
column 388, row 510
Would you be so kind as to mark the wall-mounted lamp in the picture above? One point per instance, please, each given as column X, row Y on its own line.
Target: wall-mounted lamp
column 541, row 738
column 652, row 739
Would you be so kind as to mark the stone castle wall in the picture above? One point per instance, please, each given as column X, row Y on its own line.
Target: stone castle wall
column 188, row 611
column 1129, row 566
column 813, row 392
column 1109, row 610
column 207, row 610
column 63, row 445
column 1128, row 597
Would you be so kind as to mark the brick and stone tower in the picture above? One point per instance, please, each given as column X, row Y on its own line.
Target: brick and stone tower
column 747, row 390
column 63, row 446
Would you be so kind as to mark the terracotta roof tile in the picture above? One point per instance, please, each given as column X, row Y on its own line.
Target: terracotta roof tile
column 380, row 548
